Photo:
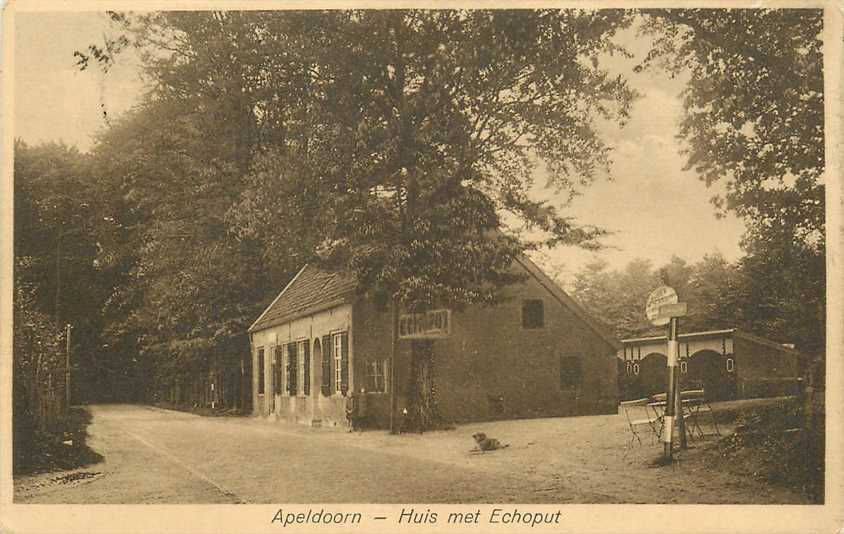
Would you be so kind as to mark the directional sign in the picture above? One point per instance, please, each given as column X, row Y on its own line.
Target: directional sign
column 660, row 297
column 673, row 310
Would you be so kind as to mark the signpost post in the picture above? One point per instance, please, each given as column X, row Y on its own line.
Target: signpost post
column 663, row 308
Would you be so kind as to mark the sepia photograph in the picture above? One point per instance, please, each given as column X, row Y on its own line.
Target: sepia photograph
column 457, row 255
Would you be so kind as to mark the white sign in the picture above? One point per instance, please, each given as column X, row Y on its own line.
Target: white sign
column 674, row 310
column 428, row 325
column 660, row 297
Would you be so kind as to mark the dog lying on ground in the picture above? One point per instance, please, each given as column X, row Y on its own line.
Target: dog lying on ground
column 484, row 443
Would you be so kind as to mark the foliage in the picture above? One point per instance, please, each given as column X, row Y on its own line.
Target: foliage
column 38, row 376
column 185, row 283
column 48, row 450
column 709, row 287
column 386, row 142
column 754, row 107
column 58, row 216
column 775, row 443
column 405, row 121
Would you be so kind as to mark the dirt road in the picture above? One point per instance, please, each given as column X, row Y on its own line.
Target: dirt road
column 160, row 456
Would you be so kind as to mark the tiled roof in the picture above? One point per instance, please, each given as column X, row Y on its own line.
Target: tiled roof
column 311, row 290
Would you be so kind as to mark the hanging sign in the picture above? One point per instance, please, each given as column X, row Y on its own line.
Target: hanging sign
column 429, row 325
column 660, row 297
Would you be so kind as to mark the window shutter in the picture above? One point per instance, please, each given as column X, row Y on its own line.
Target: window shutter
column 291, row 368
column 306, row 368
column 260, row 371
column 344, row 363
column 326, row 365
column 277, row 369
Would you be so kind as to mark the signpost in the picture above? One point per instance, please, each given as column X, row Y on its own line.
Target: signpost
column 659, row 297
column 663, row 308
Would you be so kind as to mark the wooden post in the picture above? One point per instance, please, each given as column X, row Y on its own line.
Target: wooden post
column 393, row 352
column 672, row 391
column 67, row 368
column 678, row 398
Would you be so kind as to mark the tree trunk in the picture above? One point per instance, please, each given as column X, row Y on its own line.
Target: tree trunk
column 423, row 408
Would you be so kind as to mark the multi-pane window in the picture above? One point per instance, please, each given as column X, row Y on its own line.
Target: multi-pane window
column 260, row 371
column 570, row 372
column 375, row 382
column 305, row 367
column 340, row 349
column 337, row 352
column 533, row 314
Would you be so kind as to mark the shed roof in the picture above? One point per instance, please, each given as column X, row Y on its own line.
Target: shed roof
column 710, row 334
column 312, row 289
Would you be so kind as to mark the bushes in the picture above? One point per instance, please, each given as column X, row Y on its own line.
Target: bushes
column 777, row 443
column 39, row 375
column 62, row 445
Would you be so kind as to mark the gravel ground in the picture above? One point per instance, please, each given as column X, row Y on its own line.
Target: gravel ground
column 160, row 456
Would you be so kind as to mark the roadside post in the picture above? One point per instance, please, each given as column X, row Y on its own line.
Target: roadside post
column 67, row 367
column 663, row 308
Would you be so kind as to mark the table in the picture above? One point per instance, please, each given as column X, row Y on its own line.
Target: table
column 692, row 406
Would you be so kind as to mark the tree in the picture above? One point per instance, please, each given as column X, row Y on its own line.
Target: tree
column 396, row 139
column 712, row 288
column 754, row 106
column 754, row 119
column 58, row 217
column 189, row 288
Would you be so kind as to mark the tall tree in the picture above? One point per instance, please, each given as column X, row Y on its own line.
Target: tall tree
column 754, row 120
column 397, row 139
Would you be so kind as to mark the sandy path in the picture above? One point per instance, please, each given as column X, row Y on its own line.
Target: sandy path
column 160, row 456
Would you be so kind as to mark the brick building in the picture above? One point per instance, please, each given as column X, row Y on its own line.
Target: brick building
column 536, row 354
column 727, row 363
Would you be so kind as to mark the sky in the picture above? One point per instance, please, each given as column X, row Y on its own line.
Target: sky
column 653, row 207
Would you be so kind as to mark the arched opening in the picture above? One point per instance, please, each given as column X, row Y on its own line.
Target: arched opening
column 708, row 369
column 652, row 373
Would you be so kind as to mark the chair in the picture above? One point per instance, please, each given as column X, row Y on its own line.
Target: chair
column 694, row 404
column 638, row 415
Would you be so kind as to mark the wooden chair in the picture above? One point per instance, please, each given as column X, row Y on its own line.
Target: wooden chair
column 639, row 415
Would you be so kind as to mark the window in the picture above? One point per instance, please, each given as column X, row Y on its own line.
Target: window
column 340, row 344
column 635, row 368
column 570, row 374
column 533, row 314
column 628, row 367
column 260, row 371
column 291, row 369
column 731, row 365
column 375, row 376
column 305, row 367
column 684, row 367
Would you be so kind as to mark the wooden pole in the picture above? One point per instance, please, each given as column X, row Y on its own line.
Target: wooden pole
column 672, row 390
column 678, row 401
column 393, row 352
column 67, row 368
